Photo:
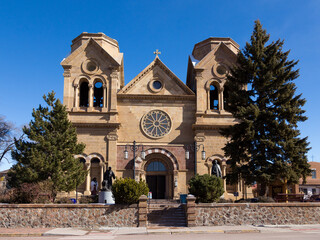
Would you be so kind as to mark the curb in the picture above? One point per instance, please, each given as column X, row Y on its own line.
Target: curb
column 21, row 234
column 193, row 232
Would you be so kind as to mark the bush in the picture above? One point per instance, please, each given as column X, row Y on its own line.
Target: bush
column 266, row 199
column 7, row 196
column 206, row 188
column 128, row 191
column 88, row 199
column 64, row 200
column 30, row 193
column 223, row 200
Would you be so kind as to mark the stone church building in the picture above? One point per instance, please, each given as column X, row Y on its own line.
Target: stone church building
column 155, row 128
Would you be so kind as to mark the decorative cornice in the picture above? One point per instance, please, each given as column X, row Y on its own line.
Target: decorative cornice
column 97, row 125
column 209, row 127
column 112, row 137
column 156, row 97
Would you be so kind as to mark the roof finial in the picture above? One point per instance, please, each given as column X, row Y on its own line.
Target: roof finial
column 157, row 53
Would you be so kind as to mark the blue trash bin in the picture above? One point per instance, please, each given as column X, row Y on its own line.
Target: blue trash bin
column 73, row 200
column 183, row 198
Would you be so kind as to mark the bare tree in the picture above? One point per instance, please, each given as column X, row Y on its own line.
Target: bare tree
column 7, row 135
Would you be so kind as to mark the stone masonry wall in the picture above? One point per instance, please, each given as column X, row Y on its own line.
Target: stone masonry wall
column 68, row 215
column 256, row 214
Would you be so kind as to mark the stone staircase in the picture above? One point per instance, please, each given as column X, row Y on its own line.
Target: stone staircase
column 166, row 213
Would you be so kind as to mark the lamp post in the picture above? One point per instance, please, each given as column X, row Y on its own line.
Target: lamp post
column 195, row 148
column 134, row 147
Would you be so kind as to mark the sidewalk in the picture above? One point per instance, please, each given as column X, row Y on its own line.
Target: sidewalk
column 24, row 232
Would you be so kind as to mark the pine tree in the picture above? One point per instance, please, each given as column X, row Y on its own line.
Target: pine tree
column 48, row 152
column 264, row 146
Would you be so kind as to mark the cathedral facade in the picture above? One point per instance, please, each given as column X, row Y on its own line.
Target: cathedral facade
column 155, row 128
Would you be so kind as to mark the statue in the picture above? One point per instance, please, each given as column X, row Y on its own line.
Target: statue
column 216, row 170
column 105, row 196
column 107, row 180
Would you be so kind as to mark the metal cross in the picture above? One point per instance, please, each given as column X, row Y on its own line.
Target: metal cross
column 157, row 53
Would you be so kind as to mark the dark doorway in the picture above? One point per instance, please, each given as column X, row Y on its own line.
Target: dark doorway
column 157, row 185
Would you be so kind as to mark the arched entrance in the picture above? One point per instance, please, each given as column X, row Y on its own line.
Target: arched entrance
column 159, row 176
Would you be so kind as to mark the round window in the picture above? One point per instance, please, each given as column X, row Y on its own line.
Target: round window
column 157, row 85
column 221, row 70
column 156, row 124
column 91, row 66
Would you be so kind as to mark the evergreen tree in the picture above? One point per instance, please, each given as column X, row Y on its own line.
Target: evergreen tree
column 48, row 151
column 264, row 146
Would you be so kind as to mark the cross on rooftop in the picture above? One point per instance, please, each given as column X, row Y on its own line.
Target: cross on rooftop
column 157, row 53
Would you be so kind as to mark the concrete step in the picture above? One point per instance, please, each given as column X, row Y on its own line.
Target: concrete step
column 168, row 214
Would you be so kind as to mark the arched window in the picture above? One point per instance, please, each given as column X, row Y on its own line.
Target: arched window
column 84, row 94
column 214, row 97
column 82, row 186
column 226, row 98
column 95, row 170
column 156, row 167
column 98, row 95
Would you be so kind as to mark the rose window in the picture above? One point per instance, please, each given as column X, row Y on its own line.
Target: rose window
column 156, row 124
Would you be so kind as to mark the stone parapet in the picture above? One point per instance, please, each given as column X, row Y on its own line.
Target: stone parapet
column 207, row 214
column 191, row 213
column 143, row 211
column 68, row 215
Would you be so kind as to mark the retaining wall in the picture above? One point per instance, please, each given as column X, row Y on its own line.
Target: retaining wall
column 68, row 215
column 252, row 213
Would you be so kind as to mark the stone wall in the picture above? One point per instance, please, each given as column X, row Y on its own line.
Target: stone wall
column 256, row 214
column 68, row 215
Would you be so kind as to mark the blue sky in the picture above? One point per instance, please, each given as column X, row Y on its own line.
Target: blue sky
column 36, row 36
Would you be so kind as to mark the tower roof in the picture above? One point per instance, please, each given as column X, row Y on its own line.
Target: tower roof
column 202, row 48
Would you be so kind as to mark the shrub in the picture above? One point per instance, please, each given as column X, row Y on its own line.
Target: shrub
column 63, row 200
column 265, row 199
column 7, row 196
column 128, row 191
column 206, row 188
column 88, row 199
column 223, row 200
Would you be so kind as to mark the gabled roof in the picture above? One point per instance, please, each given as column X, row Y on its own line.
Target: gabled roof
column 154, row 63
column 211, row 54
column 115, row 58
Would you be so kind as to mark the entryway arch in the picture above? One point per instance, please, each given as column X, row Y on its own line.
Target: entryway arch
column 158, row 170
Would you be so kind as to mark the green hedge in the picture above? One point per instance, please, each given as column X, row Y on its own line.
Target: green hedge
column 206, row 188
column 128, row 191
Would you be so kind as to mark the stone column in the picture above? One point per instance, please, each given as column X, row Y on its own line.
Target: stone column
column 111, row 140
column 224, row 167
column 221, row 103
column 88, row 180
column 101, row 164
column 76, row 96
column 67, row 90
column 104, row 106
column 113, row 89
column 191, row 211
column 142, row 218
column 201, row 92
column 90, row 96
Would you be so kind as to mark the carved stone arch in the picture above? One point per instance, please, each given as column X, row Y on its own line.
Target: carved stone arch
column 217, row 157
column 215, row 81
column 164, row 152
column 83, row 155
column 221, row 161
column 96, row 78
column 80, row 78
column 96, row 155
